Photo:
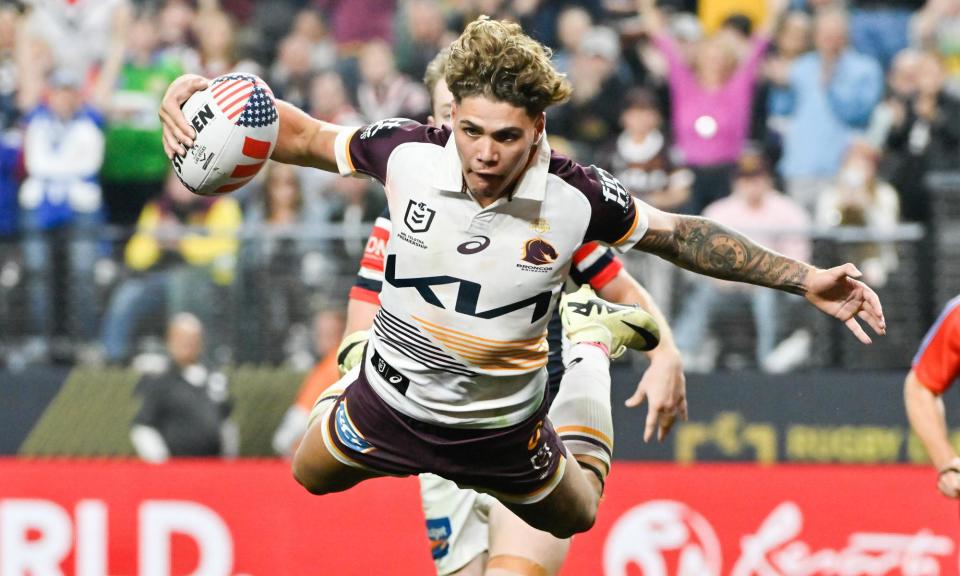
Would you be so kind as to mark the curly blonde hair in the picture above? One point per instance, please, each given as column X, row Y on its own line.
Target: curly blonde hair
column 494, row 58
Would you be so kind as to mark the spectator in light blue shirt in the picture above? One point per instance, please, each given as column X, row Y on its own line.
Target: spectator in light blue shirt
column 835, row 91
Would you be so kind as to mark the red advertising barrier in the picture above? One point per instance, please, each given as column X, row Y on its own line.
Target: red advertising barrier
column 93, row 518
column 741, row 520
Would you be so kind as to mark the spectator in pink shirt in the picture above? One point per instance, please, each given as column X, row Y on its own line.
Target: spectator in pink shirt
column 711, row 100
column 774, row 219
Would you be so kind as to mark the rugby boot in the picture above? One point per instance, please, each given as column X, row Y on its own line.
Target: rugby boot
column 588, row 318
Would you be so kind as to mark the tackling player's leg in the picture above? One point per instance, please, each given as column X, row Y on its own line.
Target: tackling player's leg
column 597, row 330
column 457, row 526
column 580, row 413
column 516, row 549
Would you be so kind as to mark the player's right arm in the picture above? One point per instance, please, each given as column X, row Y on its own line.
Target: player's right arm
column 935, row 367
column 302, row 140
column 925, row 411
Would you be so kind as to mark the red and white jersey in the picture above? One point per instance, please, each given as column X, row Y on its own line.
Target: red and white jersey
column 937, row 363
column 467, row 290
column 370, row 276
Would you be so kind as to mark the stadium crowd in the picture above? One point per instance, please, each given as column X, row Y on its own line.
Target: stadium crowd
column 710, row 107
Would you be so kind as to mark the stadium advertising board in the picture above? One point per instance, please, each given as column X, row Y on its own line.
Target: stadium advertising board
column 92, row 518
column 823, row 417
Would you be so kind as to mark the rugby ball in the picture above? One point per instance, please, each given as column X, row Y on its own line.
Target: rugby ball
column 236, row 124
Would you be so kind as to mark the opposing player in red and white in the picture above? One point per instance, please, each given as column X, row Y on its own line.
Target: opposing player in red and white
column 485, row 221
column 471, row 533
column 935, row 367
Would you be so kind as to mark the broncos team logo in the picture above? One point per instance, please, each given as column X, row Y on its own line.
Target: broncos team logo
column 538, row 251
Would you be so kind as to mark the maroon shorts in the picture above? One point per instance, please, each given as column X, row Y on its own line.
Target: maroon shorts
column 522, row 463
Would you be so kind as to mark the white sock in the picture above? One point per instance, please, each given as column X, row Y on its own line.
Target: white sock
column 580, row 413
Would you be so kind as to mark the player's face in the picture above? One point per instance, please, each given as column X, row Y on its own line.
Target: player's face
column 442, row 100
column 185, row 343
column 495, row 141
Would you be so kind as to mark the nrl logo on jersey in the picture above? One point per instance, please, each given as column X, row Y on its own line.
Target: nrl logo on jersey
column 383, row 126
column 418, row 217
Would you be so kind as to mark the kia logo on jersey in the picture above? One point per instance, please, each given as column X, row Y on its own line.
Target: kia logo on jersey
column 538, row 251
column 418, row 217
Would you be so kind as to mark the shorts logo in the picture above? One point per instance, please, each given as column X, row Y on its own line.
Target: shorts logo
column 539, row 252
column 347, row 432
column 542, row 459
column 535, row 437
column 418, row 217
column 473, row 245
column 439, row 532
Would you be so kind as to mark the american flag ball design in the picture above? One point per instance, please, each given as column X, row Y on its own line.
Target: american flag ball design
column 245, row 99
column 237, row 125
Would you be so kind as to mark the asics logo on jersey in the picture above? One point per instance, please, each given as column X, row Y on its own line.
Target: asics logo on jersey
column 418, row 217
column 468, row 294
column 473, row 245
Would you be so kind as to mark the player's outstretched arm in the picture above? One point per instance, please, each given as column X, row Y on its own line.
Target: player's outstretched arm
column 663, row 384
column 303, row 140
column 706, row 247
column 926, row 414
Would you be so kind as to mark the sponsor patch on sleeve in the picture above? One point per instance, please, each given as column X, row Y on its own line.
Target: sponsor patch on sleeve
column 439, row 532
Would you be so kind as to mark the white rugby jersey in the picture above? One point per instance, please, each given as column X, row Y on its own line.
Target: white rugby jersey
column 468, row 291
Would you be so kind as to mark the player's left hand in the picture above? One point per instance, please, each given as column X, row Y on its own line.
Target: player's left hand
column 178, row 134
column 664, row 387
column 837, row 292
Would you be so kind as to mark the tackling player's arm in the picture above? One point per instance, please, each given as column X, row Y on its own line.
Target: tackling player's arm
column 925, row 411
column 663, row 383
column 935, row 367
column 360, row 315
column 302, row 140
column 706, row 247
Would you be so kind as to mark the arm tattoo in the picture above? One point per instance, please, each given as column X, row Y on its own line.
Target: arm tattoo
column 706, row 247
